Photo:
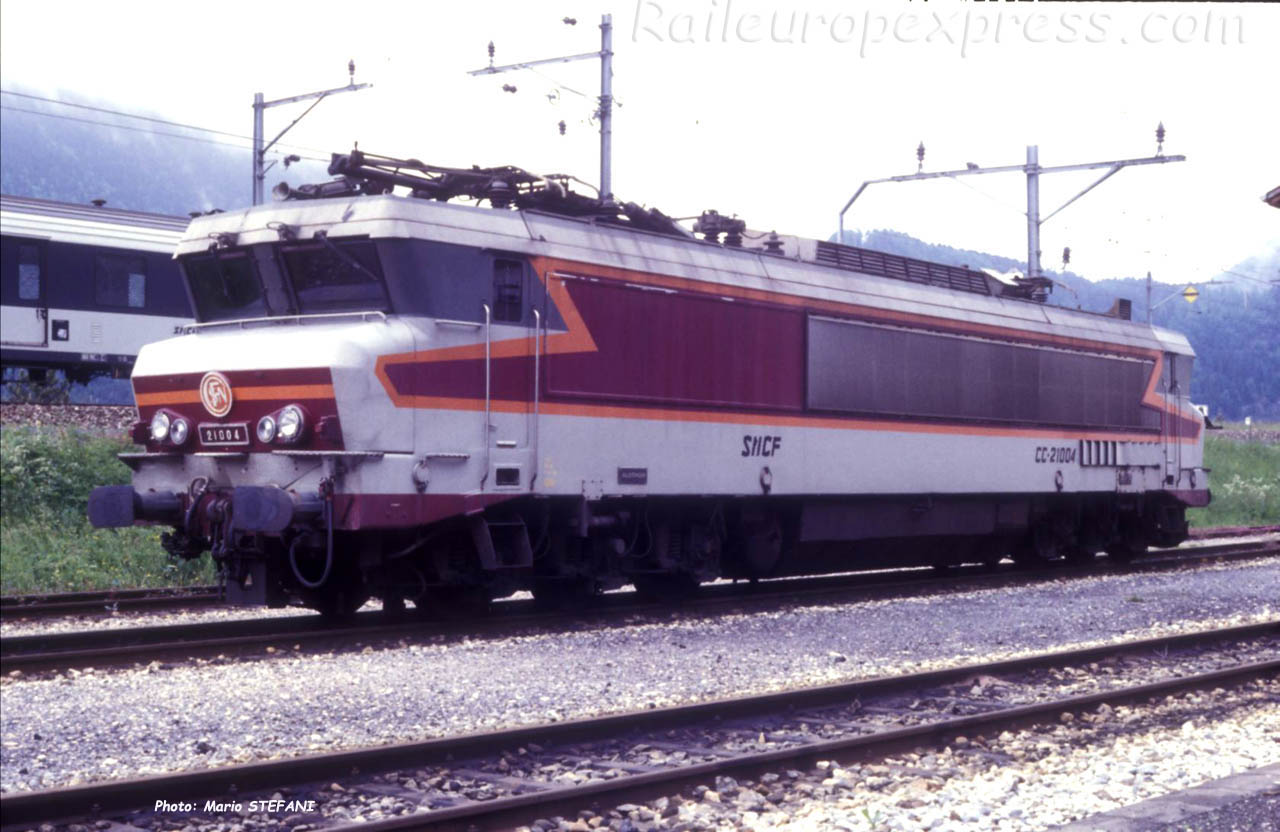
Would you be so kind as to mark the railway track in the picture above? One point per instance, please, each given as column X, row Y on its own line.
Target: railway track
column 505, row 778
column 110, row 602
column 245, row 637
column 54, row 605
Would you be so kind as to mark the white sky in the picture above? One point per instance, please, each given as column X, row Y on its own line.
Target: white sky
column 738, row 120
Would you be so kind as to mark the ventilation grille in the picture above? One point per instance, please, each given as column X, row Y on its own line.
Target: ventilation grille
column 1095, row 453
column 893, row 266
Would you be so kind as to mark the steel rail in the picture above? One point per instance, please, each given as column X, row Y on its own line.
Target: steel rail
column 7, row 601
column 27, row 809
column 1222, row 532
column 51, row 604
column 502, row 813
column 111, row 647
column 88, row 603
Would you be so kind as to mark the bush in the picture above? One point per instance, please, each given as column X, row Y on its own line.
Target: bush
column 54, row 388
column 43, row 472
column 1245, row 480
column 48, row 544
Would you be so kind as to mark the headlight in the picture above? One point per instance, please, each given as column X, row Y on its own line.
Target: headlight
column 291, row 423
column 160, row 426
column 266, row 429
column 178, row 431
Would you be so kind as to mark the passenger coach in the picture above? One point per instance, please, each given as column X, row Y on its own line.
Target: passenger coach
column 402, row 397
column 84, row 287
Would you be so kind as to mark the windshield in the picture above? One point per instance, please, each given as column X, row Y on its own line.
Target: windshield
column 336, row 276
column 225, row 286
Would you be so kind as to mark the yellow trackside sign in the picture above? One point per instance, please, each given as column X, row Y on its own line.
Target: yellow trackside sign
column 1190, row 294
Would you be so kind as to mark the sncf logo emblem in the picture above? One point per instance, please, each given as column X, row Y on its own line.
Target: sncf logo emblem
column 215, row 394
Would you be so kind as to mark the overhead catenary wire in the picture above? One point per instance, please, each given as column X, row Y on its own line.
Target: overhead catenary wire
column 135, row 129
column 1255, row 279
column 1015, row 209
column 558, row 85
column 122, row 114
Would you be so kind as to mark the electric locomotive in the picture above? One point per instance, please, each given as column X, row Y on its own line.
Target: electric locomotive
column 404, row 397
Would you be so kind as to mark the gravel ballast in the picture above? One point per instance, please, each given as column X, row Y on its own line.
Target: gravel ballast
column 1024, row 780
column 88, row 726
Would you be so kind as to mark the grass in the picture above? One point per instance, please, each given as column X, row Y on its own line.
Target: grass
column 1245, row 480
column 46, row 542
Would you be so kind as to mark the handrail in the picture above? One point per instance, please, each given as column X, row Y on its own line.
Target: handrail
column 452, row 322
column 240, row 322
column 537, row 355
column 488, row 345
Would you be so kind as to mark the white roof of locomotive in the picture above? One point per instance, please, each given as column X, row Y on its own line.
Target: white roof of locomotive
column 581, row 240
column 68, row 222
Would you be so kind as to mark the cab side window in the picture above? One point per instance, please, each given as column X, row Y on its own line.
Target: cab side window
column 508, row 291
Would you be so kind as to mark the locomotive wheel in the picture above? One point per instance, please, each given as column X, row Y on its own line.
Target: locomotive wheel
column 441, row 603
column 990, row 552
column 340, row 603
column 1130, row 544
column 564, row 593
column 676, row 586
column 1080, row 555
column 1124, row 551
column 1029, row 555
column 1038, row 548
column 393, row 607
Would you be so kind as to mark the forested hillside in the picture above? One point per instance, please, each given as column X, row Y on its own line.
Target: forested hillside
column 53, row 152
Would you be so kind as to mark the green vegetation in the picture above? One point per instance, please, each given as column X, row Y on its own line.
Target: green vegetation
column 20, row 388
column 47, row 542
column 1245, row 480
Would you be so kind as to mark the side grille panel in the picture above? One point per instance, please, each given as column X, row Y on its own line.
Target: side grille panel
column 893, row 266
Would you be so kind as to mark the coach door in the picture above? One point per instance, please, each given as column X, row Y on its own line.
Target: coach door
column 512, row 358
column 25, row 294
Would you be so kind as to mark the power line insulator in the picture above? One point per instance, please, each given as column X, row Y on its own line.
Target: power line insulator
column 562, row 127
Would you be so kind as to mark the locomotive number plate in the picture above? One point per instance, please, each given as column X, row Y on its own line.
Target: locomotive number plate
column 237, row 434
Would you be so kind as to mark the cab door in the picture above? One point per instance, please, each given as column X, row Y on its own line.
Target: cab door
column 25, row 294
column 511, row 334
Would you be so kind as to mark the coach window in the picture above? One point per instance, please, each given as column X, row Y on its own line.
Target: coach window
column 28, row 272
column 120, row 280
column 508, row 291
